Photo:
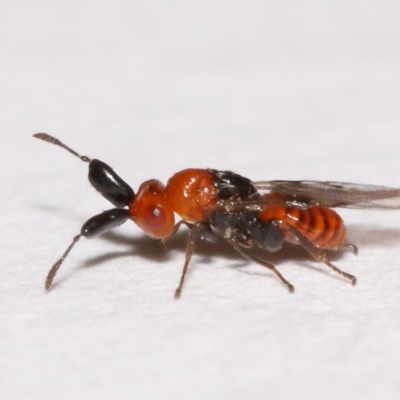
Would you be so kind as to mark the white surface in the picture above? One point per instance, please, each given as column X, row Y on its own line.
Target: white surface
column 273, row 90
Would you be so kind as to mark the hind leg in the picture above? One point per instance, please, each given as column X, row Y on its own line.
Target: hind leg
column 319, row 254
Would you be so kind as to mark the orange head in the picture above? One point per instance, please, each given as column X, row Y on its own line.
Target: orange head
column 151, row 211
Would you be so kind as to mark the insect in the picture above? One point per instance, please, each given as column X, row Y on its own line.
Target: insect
column 247, row 215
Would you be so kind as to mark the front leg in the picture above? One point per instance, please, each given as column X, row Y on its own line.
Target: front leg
column 164, row 241
column 194, row 232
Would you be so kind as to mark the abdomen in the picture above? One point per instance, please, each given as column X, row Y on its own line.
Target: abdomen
column 321, row 226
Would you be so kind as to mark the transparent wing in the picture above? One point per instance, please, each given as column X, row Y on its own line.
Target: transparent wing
column 327, row 194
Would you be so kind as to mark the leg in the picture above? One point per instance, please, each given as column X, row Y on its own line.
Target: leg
column 189, row 252
column 349, row 246
column 173, row 233
column 204, row 232
column 271, row 267
column 319, row 254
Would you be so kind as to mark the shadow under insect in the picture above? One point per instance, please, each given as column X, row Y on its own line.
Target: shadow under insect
column 206, row 253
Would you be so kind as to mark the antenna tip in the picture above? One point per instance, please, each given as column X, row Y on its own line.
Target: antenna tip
column 42, row 136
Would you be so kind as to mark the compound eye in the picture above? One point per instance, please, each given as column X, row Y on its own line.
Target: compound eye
column 151, row 211
column 155, row 218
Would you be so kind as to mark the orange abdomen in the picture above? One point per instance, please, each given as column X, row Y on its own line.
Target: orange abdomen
column 321, row 226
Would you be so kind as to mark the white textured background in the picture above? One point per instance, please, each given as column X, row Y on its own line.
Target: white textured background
column 272, row 90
